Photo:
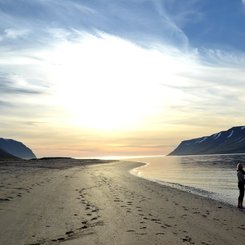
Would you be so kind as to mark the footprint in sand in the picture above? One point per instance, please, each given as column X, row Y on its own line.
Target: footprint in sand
column 69, row 233
column 83, row 227
column 186, row 239
column 61, row 239
column 4, row 200
column 242, row 228
column 155, row 220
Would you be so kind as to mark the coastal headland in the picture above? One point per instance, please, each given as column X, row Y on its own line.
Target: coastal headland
column 73, row 202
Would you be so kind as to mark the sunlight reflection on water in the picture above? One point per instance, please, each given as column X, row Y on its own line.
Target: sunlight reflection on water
column 213, row 176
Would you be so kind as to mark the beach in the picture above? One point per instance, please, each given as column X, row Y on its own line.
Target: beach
column 98, row 202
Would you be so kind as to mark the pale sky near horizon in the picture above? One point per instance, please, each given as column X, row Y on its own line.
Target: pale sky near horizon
column 90, row 78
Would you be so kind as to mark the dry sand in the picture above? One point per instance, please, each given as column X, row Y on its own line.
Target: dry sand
column 104, row 204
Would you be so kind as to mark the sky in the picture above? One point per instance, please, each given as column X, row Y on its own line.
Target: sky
column 96, row 78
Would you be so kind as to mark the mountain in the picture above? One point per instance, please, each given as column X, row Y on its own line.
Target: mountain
column 224, row 142
column 16, row 148
column 6, row 156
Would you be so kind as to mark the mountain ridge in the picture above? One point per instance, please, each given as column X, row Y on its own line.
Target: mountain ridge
column 224, row 142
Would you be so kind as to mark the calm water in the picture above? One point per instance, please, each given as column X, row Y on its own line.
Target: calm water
column 212, row 176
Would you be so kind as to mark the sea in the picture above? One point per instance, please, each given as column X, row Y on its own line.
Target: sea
column 211, row 176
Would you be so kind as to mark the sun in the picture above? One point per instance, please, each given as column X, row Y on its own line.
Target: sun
column 107, row 83
column 105, row 104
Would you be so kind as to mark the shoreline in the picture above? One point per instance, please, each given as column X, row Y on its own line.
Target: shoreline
column 105, row 204
column 185, row 188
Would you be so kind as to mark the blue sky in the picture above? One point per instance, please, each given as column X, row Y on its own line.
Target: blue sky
column 200, row 24
column 119, row 77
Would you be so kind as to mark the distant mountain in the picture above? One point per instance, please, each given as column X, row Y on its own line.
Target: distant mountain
column 16, row 149
column 6, row 156
column 224, row 142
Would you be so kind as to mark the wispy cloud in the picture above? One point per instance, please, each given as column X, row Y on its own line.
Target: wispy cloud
column 141, row 21
column 14, row 33
column 14, row 85
column 173, row 16
column 10, row 88
column 4, row 104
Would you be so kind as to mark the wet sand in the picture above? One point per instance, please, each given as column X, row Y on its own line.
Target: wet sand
column 48, row 202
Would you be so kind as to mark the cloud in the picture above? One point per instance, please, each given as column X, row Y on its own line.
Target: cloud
column 12, row 86
column 139, row 21
column 172, row 22
column 225, row 58
column 9, row 89
column 4, row 104
column 21, row 98
column 144, row 22
column 15, row 33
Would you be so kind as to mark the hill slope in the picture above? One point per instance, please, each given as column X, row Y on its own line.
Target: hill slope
column 16, row 148
column 6, row 156
column 224, row 142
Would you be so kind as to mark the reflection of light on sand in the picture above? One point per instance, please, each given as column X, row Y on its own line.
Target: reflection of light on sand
column 137, row 171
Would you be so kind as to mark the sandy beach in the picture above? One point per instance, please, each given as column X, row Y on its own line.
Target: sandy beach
column 76, row 202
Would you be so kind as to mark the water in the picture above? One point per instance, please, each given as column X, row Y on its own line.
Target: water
column 212, row 176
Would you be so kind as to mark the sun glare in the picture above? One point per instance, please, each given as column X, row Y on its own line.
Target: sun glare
column 107, row 83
